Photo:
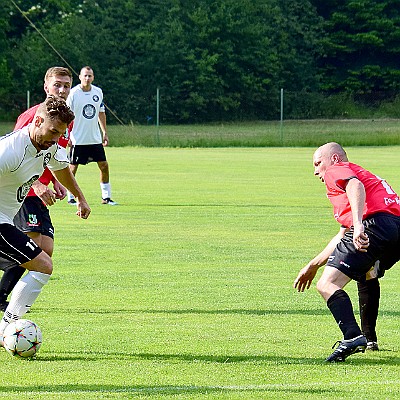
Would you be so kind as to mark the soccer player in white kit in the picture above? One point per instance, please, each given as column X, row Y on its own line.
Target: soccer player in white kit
column 24, row 154
column 86, row 101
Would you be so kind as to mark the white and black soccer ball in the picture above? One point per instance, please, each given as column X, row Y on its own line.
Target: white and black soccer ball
column 22, row 338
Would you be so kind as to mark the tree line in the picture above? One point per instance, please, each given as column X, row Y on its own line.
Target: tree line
column 211, row 60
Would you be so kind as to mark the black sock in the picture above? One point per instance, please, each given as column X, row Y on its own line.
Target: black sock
column 342, row 310
column 368, row 298
column 9, row 279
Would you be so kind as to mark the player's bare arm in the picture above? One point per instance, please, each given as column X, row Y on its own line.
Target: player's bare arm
column 61, row 191
column 103, row 127
column 45, row 194
column 307, row 274
column 66, row 177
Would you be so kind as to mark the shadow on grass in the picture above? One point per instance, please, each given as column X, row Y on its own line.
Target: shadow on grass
column 141, row 390
column 239, row 311
column 245, row 205
column 359, row 359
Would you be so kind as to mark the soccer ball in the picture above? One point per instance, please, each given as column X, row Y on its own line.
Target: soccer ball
column 22, row 338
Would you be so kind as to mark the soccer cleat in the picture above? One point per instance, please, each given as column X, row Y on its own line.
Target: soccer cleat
column 347, row 348
column 109, row 202
column 3, row 305
column 373, row 346
column 72, row 202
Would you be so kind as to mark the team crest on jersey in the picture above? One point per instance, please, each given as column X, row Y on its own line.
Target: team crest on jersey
column 23, row 190
column 89, row 111
column 32, row 220
column 96, row 98
column 46, row 159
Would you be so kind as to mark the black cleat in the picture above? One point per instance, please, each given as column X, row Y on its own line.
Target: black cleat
column 347, row 348
column 109, row 202
column 372, row 346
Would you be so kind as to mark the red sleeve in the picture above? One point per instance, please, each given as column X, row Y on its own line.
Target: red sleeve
column 337, row 176
column 26, row 117
column 47, row 177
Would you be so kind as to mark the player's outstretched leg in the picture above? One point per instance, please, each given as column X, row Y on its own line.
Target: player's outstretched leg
column 27, row 289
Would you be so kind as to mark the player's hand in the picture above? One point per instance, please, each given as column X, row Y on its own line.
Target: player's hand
column 105, row 140
column 360, row 238
column 60, row 190
column 83, row 209
column 44, row 193
column 305, row 277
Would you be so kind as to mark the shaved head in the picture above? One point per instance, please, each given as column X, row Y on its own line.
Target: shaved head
column 330, row 149
column 327, row 155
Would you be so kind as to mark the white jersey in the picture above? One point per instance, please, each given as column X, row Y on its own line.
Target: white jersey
column 21, row 165
column 86, row 107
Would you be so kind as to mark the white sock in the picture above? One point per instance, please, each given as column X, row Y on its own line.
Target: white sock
column 70, row 195
column 23, row 296
column 105, row 190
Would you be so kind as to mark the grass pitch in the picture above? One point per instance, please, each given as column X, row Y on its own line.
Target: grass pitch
column 184, row 290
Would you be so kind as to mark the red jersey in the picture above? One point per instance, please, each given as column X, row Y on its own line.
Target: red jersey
column 26, row 118
column 380, row 197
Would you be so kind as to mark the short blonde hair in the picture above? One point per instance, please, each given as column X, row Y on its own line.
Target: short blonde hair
column 57, row 71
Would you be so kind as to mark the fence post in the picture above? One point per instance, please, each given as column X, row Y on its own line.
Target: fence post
column 158, row 118
column 281, row 123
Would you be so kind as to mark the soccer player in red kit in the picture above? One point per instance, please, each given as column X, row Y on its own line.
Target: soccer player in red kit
column 368, row 210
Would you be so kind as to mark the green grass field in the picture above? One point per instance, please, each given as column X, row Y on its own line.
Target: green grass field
column 366, row 132
column 260, row 134
column 184, row 290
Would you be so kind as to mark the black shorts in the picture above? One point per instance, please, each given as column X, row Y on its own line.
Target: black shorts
column 16, row 246
column 34, row 216
column 383, row 231
column 86, row 153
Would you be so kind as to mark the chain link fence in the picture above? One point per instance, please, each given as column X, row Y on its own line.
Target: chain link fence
column 316, row 105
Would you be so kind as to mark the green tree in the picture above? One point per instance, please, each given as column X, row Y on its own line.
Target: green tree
column 211, row 60
column 361, row 48
column 6, row 82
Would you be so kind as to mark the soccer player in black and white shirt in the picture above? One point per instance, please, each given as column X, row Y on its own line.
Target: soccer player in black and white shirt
column 24, row 154
column 89, row 133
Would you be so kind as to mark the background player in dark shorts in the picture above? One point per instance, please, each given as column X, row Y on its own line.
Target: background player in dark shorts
column 86, row 153
column 90, row 128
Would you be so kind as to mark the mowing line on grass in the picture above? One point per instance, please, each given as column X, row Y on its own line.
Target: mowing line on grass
column 212, row 388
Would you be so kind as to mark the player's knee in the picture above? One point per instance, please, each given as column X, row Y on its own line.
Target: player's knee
column 41, row 263
column 321, row 287
column 103, row 165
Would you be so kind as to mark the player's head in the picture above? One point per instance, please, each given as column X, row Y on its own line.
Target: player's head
column 86, row 76
column 50, row 122
column 327, row 155
column 58, row 82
